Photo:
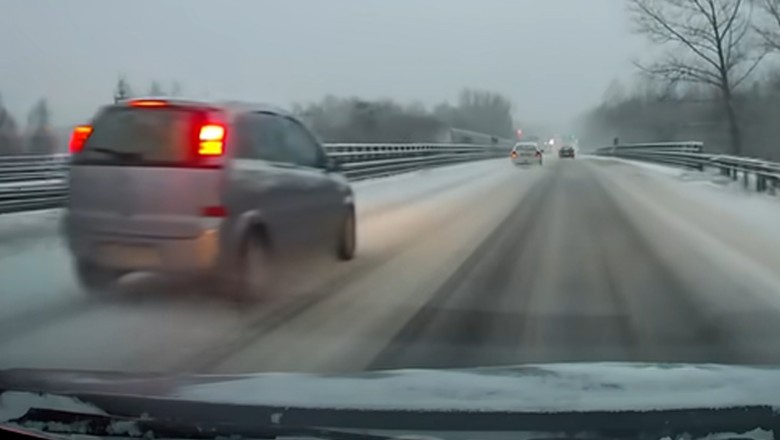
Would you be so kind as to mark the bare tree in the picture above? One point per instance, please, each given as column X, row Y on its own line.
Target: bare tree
column 769, row 28
column 155, row 89
column 10, row 141
column 707, row 42
column 122, row 89
column 615, row 93
column 176, row 89
column 39, row 138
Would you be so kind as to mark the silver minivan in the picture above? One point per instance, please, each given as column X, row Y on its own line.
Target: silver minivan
column 221, row 190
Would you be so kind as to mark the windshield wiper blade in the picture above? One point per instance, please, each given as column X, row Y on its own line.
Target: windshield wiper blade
column 65, row 422
column 119, row 154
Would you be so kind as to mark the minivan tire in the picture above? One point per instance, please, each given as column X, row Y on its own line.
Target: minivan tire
column 251, row 278
column 94, row 278
column 347, row 241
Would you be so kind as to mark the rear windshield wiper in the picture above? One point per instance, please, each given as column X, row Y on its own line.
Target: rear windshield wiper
column 60, row 422
column 119, row 154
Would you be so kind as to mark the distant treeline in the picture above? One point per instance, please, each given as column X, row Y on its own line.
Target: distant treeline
column 36, row 137
column 358, row 120
column 333, row 119
column 655, row 112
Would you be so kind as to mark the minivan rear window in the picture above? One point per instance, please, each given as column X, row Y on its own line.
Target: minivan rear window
column 142, row 135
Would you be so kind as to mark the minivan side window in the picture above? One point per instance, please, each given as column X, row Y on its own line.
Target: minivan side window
column 245, row 142
column 261, row 136
column 302, row 146
column 269, row 136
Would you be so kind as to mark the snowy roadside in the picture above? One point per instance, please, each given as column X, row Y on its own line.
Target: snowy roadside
column 706, row 228
column 721, row 193
column 26, row 225
column 372, row 195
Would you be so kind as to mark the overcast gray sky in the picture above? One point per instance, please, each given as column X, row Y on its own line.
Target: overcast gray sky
column 553, row 58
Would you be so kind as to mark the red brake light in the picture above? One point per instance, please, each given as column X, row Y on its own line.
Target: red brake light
column 148, row 103
column 214, row 211
column 211, row 140
column 79, row 137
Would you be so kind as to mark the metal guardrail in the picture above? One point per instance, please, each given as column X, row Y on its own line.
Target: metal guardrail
column 362, row 161
column 39, row 182
column 32, row 182
column 31, row 167
column 765, row 175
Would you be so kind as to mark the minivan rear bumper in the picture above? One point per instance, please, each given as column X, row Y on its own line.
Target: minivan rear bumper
column 138, row 253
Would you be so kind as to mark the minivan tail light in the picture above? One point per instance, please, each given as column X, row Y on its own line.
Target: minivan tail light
column 79, row 137
column 214, row 211
column 211, row 140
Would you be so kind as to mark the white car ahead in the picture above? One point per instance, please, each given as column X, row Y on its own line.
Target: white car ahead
column 527, row 153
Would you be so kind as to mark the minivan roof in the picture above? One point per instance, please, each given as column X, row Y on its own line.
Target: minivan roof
column 227, row 105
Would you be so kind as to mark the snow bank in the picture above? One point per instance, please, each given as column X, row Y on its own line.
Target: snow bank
column 16, row 404
column 540, row 388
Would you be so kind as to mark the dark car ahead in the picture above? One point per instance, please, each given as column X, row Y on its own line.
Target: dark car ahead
column 216, row 190
column 566, row 152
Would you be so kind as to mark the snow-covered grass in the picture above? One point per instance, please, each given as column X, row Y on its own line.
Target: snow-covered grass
column 708, row 177
column 663, row 169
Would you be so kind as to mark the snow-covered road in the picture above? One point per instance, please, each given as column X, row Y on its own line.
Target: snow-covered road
column 473, row 264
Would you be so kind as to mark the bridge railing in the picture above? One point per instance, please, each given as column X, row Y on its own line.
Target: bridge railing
column 762, row 175
column 32, row 167
column 40, row 182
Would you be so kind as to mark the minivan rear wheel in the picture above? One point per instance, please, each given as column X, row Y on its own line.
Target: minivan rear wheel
column 252, row 277
column 96, row 279
column 347, row 243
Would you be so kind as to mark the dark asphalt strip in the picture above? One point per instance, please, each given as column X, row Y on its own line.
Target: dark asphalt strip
column 698, row 338
column 483, row 278
column 651, row 316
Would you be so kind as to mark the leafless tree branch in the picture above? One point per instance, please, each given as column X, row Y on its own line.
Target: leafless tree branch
column 769, row 31
column 706, row 41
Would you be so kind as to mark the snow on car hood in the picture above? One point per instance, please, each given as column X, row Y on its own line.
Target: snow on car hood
column 560, row 387
column 527, row 388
